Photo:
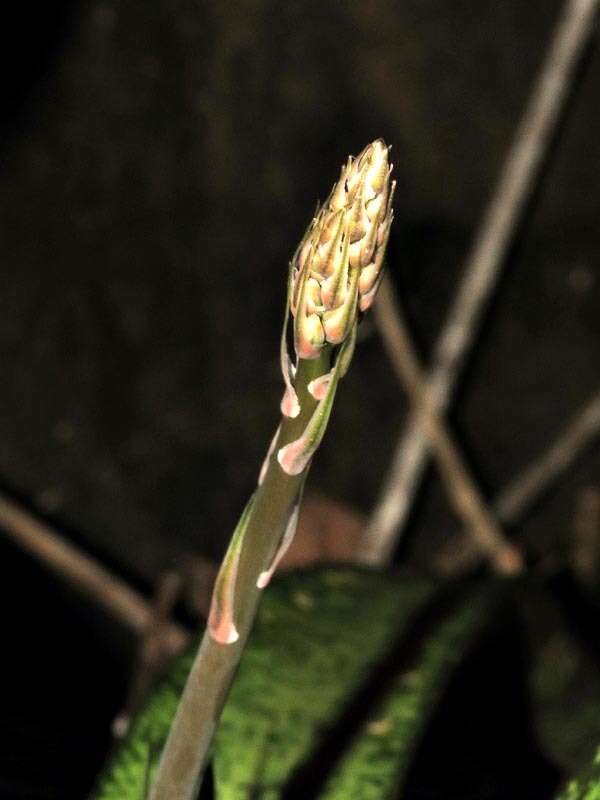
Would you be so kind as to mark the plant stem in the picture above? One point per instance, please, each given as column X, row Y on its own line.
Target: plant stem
column 186, row 751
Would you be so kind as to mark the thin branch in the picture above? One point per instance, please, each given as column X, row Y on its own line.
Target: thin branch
column 585, row 548
column 516, row 499
column 462, row 490
column 529, row 484
column 87, row 576
column 517, row 182
column 154, row 652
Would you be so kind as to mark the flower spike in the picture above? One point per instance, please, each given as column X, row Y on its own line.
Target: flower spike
column 333, row 277
column 336, row 269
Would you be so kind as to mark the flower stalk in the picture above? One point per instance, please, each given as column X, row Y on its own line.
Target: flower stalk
column 332, row 279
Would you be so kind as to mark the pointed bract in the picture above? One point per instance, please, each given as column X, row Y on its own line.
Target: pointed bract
column 221, row 617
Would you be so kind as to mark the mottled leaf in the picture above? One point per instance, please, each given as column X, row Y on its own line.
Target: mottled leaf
column 341, row 672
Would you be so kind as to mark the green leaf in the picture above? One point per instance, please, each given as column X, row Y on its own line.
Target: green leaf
column 372, row 650
column 586, row 786
column 561, row 668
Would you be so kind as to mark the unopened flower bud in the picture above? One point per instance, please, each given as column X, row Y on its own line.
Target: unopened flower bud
column 337, row 267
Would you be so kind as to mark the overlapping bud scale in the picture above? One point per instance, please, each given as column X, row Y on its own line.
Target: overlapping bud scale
column 337, row 267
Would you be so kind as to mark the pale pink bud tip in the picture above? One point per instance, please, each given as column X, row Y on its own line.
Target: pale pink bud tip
column 224, row 633
column 220, row 625
column 263, row 580
column 290, row 407
column 318, row 387
column 290, row 529
column 294, row 457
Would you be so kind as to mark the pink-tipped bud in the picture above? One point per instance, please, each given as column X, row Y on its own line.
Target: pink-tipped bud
column 337, row 267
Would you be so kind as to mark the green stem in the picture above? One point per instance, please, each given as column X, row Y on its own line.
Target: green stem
column 186, row 750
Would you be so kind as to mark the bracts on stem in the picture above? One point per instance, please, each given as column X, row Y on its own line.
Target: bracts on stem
column 333, row 278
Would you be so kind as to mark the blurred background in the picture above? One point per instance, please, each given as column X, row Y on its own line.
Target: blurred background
column 159, row 163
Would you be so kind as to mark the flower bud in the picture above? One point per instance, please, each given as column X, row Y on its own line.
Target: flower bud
column 337, row 267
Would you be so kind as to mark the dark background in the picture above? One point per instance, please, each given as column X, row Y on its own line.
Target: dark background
column 159, row 162
column 159, row 165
